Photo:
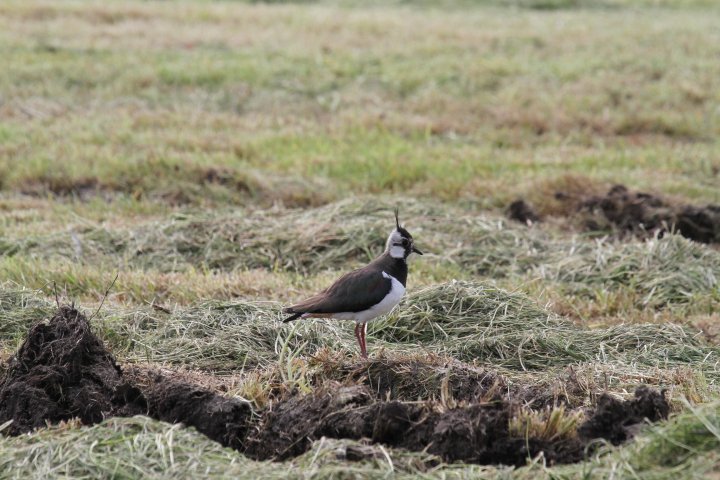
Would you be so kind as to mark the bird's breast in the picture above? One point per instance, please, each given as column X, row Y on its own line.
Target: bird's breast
column 393, row 297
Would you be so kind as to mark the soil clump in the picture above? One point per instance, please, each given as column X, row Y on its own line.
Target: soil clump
column 471, row 433
column 523, row 212
column 630, row 212
column 618, row 421
column 63, row 371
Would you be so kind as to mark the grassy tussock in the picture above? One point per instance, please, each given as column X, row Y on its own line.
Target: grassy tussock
column 477, row 321
column 655, row 274
column 221, row 336
column 552, row 424
column 471, row 322
column 671, row 270
column 122, row 448
column 19, row 309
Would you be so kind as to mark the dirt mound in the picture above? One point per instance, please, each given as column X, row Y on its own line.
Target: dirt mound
column 61, row 371
column 475, row 433
column 636, row 213
column 288, row 429
column 523, row 212
column 225, row 420
column 83, row 188
column 617, row 421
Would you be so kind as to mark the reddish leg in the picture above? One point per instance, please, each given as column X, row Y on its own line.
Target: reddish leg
column 363, row 344
column 357, row 335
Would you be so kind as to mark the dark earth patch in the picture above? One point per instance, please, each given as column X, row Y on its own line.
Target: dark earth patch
column 523, row 212
column 225, row 177
column 63, row 371
column 617, row 421
column 640, row 213
column 474, row 433
column 223, row 419
column 83, row 188
column 636, row 213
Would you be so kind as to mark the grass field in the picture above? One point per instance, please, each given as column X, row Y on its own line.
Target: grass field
column 227, row 158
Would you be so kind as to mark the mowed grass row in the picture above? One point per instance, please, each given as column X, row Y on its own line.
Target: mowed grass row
column 283, row 254
column 470, row 322
column 210, row 103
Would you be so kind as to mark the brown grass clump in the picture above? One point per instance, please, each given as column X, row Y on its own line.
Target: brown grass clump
column 551, row 424
column 562, row 196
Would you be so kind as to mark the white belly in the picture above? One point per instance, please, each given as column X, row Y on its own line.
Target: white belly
column 385, row 306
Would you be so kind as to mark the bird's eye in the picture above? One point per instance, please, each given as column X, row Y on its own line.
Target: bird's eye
column 405, row 242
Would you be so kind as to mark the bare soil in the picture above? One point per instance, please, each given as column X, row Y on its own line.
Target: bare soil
column 223, row 419
column 629, row 212
column 617, row 421
column 63, row 371
column 640, row 213
column 83, row 189
column 523, row 212
column 472, row 433
column 475, row 433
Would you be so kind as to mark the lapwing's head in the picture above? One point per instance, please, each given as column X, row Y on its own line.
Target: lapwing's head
column 400, row 242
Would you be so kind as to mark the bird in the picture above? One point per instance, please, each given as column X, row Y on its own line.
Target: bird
column 366, row 293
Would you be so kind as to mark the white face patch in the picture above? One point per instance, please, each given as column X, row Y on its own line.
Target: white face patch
column 396, row 251
column 394, row 237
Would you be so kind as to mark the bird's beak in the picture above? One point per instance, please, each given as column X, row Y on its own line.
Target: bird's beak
column 414, row 249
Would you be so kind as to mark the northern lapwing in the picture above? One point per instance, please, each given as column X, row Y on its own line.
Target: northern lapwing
column 364, row 294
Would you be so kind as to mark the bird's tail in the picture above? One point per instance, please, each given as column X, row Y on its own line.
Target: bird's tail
column 292, row 317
